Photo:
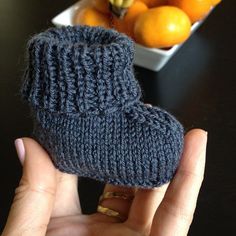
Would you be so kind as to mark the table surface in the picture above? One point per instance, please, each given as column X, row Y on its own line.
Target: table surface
column 197, row 85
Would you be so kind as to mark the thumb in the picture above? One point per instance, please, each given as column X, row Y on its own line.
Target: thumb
column 34, row 197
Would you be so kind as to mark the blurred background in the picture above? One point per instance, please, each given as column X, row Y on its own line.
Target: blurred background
column 197, row 85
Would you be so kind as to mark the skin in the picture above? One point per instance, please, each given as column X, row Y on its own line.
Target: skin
column 47, row 201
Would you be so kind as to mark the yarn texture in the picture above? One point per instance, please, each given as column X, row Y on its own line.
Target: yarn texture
column 87, row 113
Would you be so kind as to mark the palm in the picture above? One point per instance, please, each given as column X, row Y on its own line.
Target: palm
column 89, row 225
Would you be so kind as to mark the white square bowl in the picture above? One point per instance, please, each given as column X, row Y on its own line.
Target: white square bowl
column 150, row 58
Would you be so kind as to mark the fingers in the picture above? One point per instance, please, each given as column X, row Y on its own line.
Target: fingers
column 175, row 213
column 143, row 208
column 34, row 199
column 118, row 204
column 67, row 198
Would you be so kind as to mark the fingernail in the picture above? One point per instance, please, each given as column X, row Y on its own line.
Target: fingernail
column 20, row 149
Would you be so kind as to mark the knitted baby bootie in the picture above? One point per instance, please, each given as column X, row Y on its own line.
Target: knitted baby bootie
column 87, row 111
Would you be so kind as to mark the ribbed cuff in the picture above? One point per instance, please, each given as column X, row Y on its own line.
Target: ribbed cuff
column 80, row 70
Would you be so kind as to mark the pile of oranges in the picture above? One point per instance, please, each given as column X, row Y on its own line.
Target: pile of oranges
column 152, row 23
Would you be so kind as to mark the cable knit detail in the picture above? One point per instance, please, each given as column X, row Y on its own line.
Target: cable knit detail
column 87, row 114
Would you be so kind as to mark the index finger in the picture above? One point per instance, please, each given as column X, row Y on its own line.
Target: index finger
column 175, row 213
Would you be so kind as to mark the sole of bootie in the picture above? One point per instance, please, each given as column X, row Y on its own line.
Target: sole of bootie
column 139, row 146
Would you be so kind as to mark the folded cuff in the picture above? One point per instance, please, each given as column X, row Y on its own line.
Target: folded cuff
column 80, row 70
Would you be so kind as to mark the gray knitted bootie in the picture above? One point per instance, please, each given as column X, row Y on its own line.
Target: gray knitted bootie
column 87, row 112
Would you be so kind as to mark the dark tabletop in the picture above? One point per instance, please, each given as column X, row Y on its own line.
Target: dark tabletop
column 198, row 86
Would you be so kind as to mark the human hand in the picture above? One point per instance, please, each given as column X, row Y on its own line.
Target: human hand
column 47, row 203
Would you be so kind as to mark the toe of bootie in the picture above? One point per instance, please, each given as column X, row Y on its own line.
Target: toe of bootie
column 159, row 139
column 140, row 146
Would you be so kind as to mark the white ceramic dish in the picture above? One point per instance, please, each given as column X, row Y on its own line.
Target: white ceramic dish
column 150, row 58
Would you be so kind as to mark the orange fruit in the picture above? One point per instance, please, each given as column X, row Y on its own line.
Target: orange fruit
column 215, row 2
column 162, row 27
column 119, row 25
column 195, row 9
column 91, row 17
column 126, row 24
column 155, row 3
column 101, row 5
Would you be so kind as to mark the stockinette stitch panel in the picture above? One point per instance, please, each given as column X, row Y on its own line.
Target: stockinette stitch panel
column 87, row 113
